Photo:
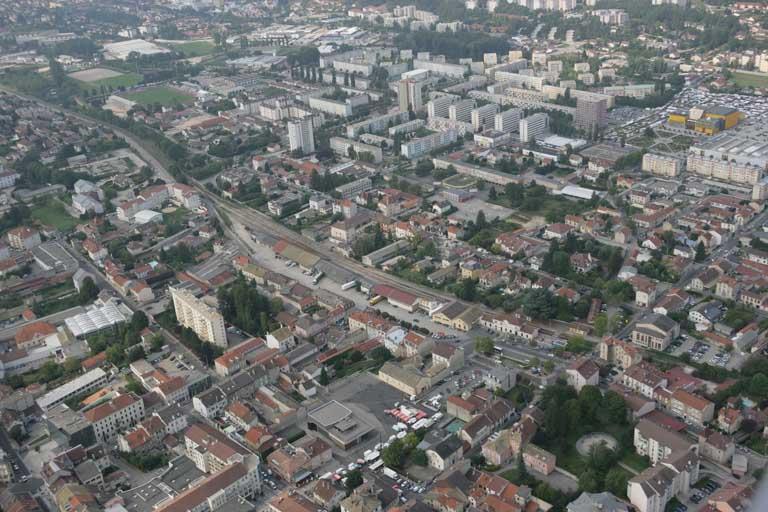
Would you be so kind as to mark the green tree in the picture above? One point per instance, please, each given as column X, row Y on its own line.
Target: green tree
column 616, row 481
column 324, row 379
column 601, row 324
column 419, row 457
column 589, row 481
column 88, row 291
column 484, row 345
column 354, row 480
column 701, row 252
column 394, row 454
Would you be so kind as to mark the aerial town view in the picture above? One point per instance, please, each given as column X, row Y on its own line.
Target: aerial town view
column 382, row 256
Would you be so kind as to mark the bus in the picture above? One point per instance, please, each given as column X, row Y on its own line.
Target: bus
column 375, row 300
column 376, row 465
column 351, row 284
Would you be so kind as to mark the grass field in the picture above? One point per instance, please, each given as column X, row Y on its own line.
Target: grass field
column 750, row 79
column 123, row 80
column 193, row 48
column 161, row 95
column 53, row 213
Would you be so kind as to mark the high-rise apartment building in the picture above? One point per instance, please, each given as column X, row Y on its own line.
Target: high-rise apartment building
column 507, row 121
column 301, row 136
column 591, row 114
column 439, row 106
column 195, row 314
column 461, row 111
column 409, row 95
column 533, row 126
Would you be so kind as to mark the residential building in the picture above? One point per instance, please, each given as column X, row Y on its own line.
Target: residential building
column 461, row 111
column 86, row 383
column 643, row 378
column 409, row 95
column 119, row 414
column 602, row 502
column 439, row 107
column 652, row 490
column 619, row 352
column 23, row 238
column 445, row 454
column 420, row 146
column 662, row 165
column 533, row 126
column 691, row 408
column 583, row 372
column 658, row 442
column 507, row 121
column 591, row 114
column 301, row 136
column 202, row 318
column 237, row 480
column 484, row 117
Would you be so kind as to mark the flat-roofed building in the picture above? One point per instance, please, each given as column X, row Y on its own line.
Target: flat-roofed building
column 195, row 314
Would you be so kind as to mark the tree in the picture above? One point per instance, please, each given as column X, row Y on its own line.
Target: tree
column 394, row 454
column 480, row 222
column 157, row 343
column 484, row 345
column 758, row 386
column 139, row 321
column 419, row 457
column 616, row 481
column 492, row 194
column 701, row 252
column 71, row 366
column 354, row 480
column 324, row 379
column 589, row 481
column 88, row 291
column 601, row 324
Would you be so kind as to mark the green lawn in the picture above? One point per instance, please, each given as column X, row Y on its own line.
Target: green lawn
column 193, row 48
column 162, row 95
column 125, row 80
column 635, row 461
column 750, row 80
column 53, row 213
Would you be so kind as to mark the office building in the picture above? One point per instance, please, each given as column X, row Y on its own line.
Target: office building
column 591, row 114
column 507, row 121
column 301, row 136
column 409, row 95
column 533, row 126
column 195, row 314
column 662, row 165
column 461, row 111
column 439, row 106
column 483, row 117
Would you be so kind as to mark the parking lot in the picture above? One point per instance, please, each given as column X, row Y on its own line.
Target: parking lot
column 703, row 352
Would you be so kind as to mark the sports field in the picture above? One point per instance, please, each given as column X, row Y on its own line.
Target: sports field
column 193, row 48
column 756, row 80
column 161, row 95
column 94, row 78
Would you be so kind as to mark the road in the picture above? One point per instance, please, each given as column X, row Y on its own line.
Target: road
column 13, row 456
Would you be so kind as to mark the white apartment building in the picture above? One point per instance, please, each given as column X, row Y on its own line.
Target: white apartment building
column 461, row 111
column 520, row 81
column 662, row 165
column 195, row 314
column 376, row 124
column 407, row 127
column 656, row 442
column 418, row 147
column 409, row 95
column 301, row 136
column 730, row 157
column 234, row 481
column 341, row 147
column 112, row 418
column 483, row 117
column 438, row 107
column 507, row 121
column 533, row 126
column 332, row 107
column 441, row 68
